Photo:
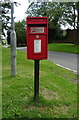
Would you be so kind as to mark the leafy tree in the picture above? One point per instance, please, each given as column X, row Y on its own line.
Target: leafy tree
column 57, row 13
column 69, row 14
column 20, row 29
column 45, row 9
column 5, row 9
column 51, row 11
column 8, row 37
column 62, row 13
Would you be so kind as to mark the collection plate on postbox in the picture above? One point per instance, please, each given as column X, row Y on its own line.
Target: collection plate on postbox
column 37, row 29
column 37, row 38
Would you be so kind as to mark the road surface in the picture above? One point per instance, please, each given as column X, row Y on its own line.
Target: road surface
column 65, row 60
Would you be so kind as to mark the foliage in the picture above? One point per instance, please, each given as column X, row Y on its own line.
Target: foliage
column 68, row 14
column 8, row 37
column 58, row 92
column 6, row 15
column 6, row 7
column 77, row 41
column 60, row 13
column 45, row 9
column 20, row 29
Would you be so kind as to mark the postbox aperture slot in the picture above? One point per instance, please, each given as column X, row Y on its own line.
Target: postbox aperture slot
column 36, row 29
column 37, row 25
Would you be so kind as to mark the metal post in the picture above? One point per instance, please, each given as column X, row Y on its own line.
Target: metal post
column 36, row 79
column 12, row 18
column 13, row 43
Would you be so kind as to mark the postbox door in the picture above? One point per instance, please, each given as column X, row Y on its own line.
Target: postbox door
column 37, row 47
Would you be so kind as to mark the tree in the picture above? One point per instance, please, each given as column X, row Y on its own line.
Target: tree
column 20, row 29
column 52, row 11
column 5, row 9
column 8, row 37
column 69, row 14
column 63, row 13
column 59, row 14
column 6, row 15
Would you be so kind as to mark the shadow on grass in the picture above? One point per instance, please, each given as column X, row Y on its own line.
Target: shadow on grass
column 42, row 102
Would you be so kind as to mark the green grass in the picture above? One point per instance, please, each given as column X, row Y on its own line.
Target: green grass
column 64, row 47
column 0, row 81
column 58, row 90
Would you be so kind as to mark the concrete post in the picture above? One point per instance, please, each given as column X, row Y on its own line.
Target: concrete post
column 13, row 43
column 13, row 53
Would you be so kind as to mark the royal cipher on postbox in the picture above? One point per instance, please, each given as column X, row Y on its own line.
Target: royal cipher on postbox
column 37, row 38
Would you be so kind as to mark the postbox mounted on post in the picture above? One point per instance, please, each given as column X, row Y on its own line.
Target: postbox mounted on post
column 37, row 45
column 37, row 38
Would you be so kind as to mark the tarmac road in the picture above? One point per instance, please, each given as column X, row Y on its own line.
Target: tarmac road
column 66, row 60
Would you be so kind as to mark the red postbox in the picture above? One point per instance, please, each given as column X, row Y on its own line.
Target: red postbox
column 37, row 38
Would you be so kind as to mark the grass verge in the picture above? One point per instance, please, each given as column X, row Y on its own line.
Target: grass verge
column 64, row 47
column 58, row 91
column 0, row 81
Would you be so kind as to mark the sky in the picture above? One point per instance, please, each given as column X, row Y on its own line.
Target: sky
column 19, row 12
